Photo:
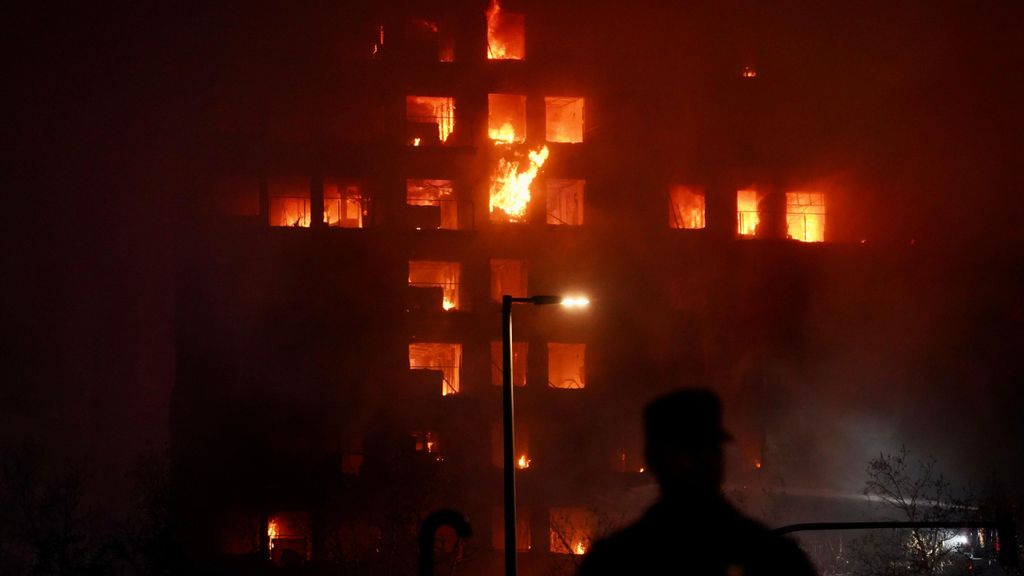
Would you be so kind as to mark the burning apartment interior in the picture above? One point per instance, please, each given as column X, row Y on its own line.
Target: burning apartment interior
column 342, row 307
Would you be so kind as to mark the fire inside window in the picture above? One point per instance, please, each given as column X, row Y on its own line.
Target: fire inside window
column 522, row 442
column 686, row 208
column 506, row 34
column 344, row 205
column 510, row 192
column 566, row 366
column 508, row 277
column 289, row 537
column 564, row 119
column 522, row 528
column 506, row 118
column 428, row 38
column 289, row 202
column 565, row 202
column 571, row 530
column 439, row 193
column 430, row 120
column 425, row 441
column 445, row 358
column 518, row 363
column 444, row 276
column 805, row 216
column 748, row 215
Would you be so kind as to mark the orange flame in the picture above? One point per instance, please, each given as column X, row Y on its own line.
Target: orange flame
column 272, row 531
column 505, row 135
column 510, row 188
column 580, row 549
column 504, row 39
column 523, row 462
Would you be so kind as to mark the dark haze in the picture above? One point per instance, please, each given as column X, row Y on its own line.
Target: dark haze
column 909, row 114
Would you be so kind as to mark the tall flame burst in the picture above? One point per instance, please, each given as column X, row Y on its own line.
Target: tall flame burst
column 510, row 187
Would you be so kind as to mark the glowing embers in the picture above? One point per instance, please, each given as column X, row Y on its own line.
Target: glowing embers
column 506, row 34
column 805, row 216
column 748, row 214
column 289, row 202
column 571, row 530
column 510, row 184
column 522, row 528
column 430, row 120
column 344, row 205
column 442, row 357
column 289, row 537
column 439, row 193
column 506, row 118
column 564, row 119
column 441, row 277
column 519, row 350
column 686, row 208
column 508, row 277
column 565, row 202
column 566, row 366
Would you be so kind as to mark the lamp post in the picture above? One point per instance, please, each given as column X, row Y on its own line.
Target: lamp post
column 508, row 412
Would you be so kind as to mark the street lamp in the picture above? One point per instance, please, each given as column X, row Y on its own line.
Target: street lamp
column 507, row 412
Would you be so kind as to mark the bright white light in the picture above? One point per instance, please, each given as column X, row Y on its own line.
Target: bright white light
column 955, row 541
column 575, row 301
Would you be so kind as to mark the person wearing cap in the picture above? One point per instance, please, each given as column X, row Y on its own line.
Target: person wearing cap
column 691, row 529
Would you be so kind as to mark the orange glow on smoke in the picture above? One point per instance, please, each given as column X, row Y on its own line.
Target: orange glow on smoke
column 510, row 187
column 746, row 212
column 505, row 34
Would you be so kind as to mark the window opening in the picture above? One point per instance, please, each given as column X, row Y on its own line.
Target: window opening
column 506, row 34
column 748, row 215
column 443, row 275
column 289, row 537
column 686, row 208
column 289, row 202
column 805, row 216
column 430, row 120
column 439, row 193
column 445, row 358
column 564, row 119
column 566, row 366
column 344, row 205
column 565, row 202
column 506, row 118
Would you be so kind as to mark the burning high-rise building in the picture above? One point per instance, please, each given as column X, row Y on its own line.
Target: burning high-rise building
column 366, row 198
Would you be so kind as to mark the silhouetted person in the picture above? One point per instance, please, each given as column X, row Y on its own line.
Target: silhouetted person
column 691, row 529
